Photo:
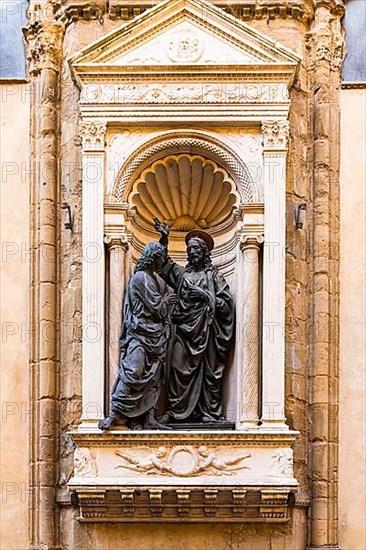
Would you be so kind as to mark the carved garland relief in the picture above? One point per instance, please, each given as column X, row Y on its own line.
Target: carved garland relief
column 183, row 461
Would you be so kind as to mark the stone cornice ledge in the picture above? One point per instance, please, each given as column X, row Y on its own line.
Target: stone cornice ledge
column 125, row 10
column 117, row 437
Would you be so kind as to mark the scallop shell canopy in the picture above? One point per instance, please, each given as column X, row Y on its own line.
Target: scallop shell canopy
column 187, row 192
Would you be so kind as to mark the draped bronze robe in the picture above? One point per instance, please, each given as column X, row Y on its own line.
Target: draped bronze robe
column 202, row 338
column 143, row 346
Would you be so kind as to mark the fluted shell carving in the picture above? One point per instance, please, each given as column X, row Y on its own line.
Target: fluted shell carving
column 186, row 191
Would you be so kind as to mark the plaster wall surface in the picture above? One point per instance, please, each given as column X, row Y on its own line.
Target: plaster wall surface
column 15, row 258
column 352, row 411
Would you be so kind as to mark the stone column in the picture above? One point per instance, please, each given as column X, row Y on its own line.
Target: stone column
column 93, row 273
column 249, row 367
column 325, row 45
column 117, row 247
column 44, row 36
column 275, row 134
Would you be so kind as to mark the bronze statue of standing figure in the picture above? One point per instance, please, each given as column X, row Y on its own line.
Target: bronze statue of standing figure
column 203, row 321
column 188, row 310
column 143, row 344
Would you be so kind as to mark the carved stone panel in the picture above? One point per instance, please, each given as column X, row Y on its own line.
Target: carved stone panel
column 171, row 476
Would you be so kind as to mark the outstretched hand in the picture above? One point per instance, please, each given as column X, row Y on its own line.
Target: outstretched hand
column 161, row 227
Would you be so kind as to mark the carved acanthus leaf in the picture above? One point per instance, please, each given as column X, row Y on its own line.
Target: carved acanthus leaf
column 44, row 36
column 275, row 134
column 93, row 135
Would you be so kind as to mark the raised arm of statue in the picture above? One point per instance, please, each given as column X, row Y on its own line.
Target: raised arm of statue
column 163, row 229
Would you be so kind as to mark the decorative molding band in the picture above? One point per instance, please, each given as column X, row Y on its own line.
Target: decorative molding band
column 185, row 92
column 122, row 438
column 190, row 142
column 184, row 504
column 300, row 10
column 353, row 85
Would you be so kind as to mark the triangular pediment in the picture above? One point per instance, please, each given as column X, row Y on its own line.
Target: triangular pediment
column 183, row 32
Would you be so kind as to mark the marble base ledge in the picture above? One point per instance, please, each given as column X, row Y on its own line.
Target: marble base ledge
column 175, row 476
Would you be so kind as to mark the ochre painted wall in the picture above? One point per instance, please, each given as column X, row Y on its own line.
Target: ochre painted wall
column 15, row 261
column 352, row 410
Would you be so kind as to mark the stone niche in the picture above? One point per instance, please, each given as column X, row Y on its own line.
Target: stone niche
column 184, row 117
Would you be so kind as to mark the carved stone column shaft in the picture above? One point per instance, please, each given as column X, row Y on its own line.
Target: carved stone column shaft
column 93, row 272
column 44, row 54
column 117, row 246
column 249, row 385
column 275, row 134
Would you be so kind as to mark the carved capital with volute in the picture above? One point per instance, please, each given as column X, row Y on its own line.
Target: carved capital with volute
column 119, row 242
column 248, row 241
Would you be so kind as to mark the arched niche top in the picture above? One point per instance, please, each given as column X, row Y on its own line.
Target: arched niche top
column 187, row 191
column 192, row 142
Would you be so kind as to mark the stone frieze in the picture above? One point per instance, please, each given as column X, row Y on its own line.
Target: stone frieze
column 184, row 92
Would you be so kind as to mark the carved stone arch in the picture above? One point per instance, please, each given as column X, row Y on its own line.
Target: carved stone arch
column 192, row 142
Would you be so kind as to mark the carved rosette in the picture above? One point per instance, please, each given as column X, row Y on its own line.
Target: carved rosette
column 275, row 135
column 93, row 135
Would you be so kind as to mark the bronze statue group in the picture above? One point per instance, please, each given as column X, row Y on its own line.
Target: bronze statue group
column 178, row 326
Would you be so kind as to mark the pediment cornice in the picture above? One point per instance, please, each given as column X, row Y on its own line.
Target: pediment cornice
column 183, row 37
column 245, row 10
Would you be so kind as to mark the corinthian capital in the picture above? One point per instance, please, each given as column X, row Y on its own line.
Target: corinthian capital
column 275, row 134
column 44, row 35
column 93, row 135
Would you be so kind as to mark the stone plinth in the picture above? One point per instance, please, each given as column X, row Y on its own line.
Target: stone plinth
column 128, row 476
